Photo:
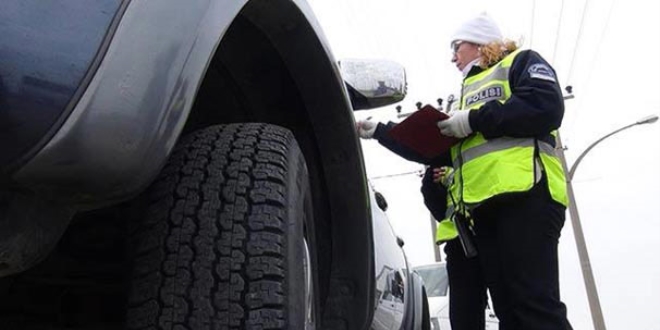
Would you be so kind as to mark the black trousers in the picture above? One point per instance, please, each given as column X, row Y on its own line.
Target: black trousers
column 467, row 289
column 517, row 237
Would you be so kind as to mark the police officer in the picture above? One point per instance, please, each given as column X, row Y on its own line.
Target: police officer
column 507, row 177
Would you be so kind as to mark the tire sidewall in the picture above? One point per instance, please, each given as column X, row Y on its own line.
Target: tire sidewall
column 299, row 228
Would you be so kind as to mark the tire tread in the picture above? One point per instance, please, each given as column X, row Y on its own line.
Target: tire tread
column 209, row 257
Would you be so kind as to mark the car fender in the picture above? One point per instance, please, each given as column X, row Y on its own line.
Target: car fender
column 414, row 315
column 127, row 121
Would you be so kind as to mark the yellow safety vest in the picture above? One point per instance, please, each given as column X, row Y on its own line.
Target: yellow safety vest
column 445, row 231
column 486, row 168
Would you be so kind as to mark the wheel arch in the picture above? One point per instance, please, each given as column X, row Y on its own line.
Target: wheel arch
column 273, row 66
column 417, row 313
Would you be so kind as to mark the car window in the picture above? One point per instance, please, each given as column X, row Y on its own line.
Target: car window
column 435, row 280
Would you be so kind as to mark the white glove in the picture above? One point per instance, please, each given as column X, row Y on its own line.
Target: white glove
column 457, row 125
column 366, row 128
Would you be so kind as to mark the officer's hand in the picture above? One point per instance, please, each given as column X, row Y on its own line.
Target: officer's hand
column 443, row 175
column 457, row 125
column 366, row 128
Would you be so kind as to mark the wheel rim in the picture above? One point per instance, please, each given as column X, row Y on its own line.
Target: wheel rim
column 309, row 289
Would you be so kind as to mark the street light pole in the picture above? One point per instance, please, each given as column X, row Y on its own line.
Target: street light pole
column 581, row 245
column 646, row 120
column 587, row 272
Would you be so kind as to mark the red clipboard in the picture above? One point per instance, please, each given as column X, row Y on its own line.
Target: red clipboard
column 420, row 133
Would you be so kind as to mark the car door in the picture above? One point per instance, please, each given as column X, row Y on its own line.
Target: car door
column 390, row 267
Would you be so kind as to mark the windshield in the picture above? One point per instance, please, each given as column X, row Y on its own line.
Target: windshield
column 435, row 280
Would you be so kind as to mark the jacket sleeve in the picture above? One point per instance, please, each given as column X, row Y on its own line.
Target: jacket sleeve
column 435, row 196
column 382, row 136
column 535, row 108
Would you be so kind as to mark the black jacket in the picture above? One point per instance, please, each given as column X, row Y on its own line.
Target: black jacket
column 382, row 136
column 535, row 108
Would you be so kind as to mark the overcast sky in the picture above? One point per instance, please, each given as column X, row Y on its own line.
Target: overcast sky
column 609, row 51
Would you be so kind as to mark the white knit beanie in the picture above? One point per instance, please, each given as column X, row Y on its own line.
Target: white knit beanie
column 480, row 30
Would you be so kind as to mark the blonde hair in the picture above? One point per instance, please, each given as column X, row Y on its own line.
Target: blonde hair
column 495, row 51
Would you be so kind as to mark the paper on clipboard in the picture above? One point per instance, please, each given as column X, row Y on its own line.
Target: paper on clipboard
column 420, row 133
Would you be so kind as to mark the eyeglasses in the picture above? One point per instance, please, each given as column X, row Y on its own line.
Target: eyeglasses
column 456, row 45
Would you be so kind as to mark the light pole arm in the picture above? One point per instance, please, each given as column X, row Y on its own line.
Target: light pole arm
column 584, row 153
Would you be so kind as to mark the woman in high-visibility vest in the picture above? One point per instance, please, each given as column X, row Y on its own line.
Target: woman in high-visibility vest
column 507, row 178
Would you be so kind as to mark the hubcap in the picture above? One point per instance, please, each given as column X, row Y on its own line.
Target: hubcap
column 309, row 289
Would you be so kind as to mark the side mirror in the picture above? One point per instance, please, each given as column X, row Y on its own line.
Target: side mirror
column 373, row 83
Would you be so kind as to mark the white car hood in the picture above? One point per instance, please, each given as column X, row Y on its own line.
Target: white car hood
column 439, row 306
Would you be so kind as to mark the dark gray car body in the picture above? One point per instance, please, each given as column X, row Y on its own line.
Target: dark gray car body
column 160, row 69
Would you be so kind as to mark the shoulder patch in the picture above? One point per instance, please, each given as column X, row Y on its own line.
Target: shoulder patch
column 541, row 71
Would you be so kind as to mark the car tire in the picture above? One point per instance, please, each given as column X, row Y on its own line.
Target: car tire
column 225, row 228
column 426, row 315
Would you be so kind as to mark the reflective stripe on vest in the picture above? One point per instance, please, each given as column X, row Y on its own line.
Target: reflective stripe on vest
column 499, row 144
column 486, row 168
